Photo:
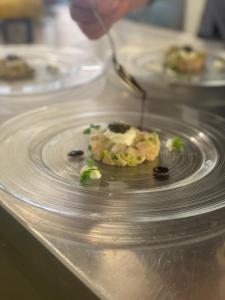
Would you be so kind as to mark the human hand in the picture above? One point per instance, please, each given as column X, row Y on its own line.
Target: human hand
column 109, row 10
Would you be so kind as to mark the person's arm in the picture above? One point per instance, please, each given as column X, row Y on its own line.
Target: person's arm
column 110, row 11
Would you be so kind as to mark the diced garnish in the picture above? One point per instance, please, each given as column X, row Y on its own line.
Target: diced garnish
column 131, row 148
column 90, row 163
column 175, row 144
column 96, row 127
column 90, row 172
column 114, row 157
column 87, row 130
column 95, row 174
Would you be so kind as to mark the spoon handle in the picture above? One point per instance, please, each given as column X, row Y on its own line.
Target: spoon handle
column 107, row 33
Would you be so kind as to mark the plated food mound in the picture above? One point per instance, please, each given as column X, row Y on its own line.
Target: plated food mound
column 122, row 145
column 14, row 68
column 185, row 60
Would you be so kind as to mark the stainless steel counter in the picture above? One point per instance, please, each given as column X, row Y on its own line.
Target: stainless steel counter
column 191, row 267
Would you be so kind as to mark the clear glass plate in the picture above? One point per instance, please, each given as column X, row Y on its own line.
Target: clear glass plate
column 35, row 167
column 148, row 65
column 75, row 67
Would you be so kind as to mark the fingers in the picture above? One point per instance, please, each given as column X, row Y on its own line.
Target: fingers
column 109, row 10
column 95, row 31
column 102, row 6
column 87, row 16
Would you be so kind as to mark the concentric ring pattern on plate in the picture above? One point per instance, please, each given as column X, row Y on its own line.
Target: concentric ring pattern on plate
column 74, row 68
column 35, row 167
column 148, row 64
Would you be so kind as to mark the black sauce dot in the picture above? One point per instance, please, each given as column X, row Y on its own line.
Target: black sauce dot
column 161, row 172
column 76, row 153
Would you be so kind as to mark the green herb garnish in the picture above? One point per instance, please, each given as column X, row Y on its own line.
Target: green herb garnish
column 91, row 128
column 96, row 127
column 90, row 162
column 175, row 144
column 89, row 172
column 85, row 175
column 87, row 130
column 114, row 157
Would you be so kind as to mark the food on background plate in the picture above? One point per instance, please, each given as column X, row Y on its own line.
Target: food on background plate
column 123, row 145
column 185, row 60
column 219, row 64
column 13, row 68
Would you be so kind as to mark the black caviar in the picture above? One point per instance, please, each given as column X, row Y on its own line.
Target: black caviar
column 119, row 127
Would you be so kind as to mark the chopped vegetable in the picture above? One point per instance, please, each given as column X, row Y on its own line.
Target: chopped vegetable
column 184, row 60
column 87, row 130
column 175, row 144
column 85, row 175
column 91, row 128
column 90, row 172
column 115, row 157
column 95, row 127
column 90, row 162
column 14, row 68
column 131, row 148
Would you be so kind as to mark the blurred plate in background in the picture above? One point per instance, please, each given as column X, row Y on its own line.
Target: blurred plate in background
column 149, row 66
column 55, row 69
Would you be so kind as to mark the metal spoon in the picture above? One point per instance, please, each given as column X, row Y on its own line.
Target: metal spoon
column 120, row 70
